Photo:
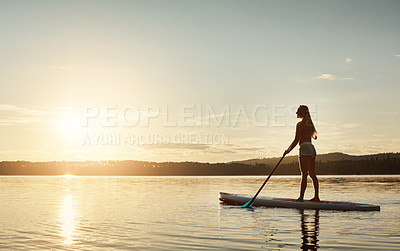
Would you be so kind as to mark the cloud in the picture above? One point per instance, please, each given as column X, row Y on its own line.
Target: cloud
column 327, row 76
column 11, row 115
column 176, row 146
column 348, row 60
column 209, row 148
column 397, row 55
column 250, row 149
column 392, row 112
column 5, row 107
column 351, row 125
column 16, row 115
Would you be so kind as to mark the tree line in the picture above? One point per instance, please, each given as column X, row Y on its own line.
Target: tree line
column 365, row 166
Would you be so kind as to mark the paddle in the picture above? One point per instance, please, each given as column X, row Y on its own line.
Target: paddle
column 250, row 203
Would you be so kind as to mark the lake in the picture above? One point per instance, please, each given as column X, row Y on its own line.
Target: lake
column 171, row 213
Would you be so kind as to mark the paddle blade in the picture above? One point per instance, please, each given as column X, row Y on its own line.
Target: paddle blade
column 248, row 204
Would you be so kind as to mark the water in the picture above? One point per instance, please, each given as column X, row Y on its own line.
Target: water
column 170, row 213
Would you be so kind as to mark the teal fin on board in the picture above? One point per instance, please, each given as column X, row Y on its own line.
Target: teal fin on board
column 248, row 204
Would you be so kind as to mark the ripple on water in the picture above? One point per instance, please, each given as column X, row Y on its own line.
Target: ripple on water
column 122, row 213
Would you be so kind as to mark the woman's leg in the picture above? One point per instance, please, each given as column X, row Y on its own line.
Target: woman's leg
column 311, row 170
column 303, row 161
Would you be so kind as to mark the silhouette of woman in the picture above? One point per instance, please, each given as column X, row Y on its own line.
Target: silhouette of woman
column 305, row 130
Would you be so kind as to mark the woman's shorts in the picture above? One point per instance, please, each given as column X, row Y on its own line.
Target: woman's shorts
column 307, row 149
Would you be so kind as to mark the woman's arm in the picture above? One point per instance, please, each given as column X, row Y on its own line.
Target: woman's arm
column 296, row 139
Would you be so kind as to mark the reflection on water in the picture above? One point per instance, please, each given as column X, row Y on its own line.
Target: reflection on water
column 170, row 213
column 67, row 219
column 67, row 213
column 309, row 230
column 269, row 222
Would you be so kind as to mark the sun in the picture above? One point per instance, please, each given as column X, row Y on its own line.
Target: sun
column 69, row 125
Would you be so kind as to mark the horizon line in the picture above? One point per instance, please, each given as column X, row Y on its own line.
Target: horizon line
column 232, row 161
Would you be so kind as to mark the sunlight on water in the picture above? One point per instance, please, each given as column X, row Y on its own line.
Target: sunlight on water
column 67, row 214
column 170, row 213
column 67, row 219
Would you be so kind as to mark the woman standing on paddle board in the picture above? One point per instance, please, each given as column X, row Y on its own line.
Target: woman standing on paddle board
column 305, row 130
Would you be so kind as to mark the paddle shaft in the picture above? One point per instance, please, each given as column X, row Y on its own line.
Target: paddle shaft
column 250, row 203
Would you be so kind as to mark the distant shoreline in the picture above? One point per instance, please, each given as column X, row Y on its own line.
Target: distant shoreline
column 209, row 176
column 326, row 164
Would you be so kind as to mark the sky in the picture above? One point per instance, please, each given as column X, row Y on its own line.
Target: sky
column 208, row 81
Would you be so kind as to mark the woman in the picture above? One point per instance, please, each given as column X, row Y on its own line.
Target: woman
column 305, row 130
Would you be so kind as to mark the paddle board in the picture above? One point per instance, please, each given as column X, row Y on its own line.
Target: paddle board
column 237, row 199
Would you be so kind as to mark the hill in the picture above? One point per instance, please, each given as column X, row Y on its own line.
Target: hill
column 332, row 163
column 322, row 158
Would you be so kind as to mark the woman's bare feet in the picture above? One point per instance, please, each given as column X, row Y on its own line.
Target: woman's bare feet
column 315, row 199
column 299, row 200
